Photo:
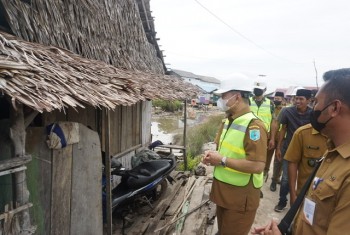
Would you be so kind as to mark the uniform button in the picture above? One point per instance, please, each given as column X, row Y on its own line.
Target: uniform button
column 328, row 160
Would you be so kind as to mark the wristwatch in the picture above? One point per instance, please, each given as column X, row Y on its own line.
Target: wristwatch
column 223, row 161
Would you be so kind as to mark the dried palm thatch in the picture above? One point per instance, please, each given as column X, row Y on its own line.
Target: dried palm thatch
column 47, row 78
column 108, row 30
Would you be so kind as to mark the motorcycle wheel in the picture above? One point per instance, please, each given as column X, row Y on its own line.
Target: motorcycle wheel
column 160, row 190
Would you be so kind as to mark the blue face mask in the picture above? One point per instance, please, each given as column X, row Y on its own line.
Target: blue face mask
column 315, row 114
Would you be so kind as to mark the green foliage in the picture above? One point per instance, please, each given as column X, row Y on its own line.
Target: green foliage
column 167, row 105
column 192, row 163
column 198, row 135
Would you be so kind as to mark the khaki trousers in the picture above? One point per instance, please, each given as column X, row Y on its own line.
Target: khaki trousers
column 231, row 222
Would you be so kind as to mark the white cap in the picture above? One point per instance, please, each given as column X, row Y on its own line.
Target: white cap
column 260, row 85
column 235, row 82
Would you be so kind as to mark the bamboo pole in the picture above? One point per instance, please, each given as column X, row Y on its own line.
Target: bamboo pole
column 184, row 134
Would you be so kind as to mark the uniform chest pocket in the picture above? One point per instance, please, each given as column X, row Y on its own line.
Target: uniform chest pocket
column 313, row 151
column 324, row 191
column 325, row 198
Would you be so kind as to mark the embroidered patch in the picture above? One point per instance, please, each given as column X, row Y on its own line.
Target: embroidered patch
column 254, row 134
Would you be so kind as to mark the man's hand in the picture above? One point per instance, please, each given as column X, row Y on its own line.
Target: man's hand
column 211, row 158
column 269, row 229
column 278, row 154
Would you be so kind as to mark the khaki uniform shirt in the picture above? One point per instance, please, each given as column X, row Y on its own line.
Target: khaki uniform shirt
column 275, row 114
column 306, row 146
column 277, row 111
column 247, row 197
column 332, row 195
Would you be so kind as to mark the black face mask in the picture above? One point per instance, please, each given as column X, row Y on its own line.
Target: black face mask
column 277, row 102
column 258, row 92
column 315, row 114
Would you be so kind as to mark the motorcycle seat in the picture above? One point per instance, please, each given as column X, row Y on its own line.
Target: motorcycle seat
column 146, row 172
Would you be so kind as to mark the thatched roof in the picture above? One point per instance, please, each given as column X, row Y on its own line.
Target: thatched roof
column 47, row 78
column 147, row 19
column 108, row 30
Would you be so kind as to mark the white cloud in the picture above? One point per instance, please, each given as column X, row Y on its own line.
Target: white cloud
column 288, row 36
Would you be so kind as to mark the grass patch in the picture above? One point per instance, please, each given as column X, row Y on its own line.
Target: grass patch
column 197, row 136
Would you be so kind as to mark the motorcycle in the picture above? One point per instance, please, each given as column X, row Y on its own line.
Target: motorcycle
column 140, row 185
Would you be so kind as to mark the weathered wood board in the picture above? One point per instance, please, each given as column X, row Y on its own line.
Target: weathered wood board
column 86, row 198
column 162, row 219
column 61, row 190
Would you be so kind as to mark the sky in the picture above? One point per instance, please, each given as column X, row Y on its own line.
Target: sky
column 284, row 40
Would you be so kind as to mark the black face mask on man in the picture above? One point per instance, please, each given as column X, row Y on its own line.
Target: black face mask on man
column 258, row 92
column 315, row 114
column 277, row 102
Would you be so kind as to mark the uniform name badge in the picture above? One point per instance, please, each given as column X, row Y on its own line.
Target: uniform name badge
column 309, row 210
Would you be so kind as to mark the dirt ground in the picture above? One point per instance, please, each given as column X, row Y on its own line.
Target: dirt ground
column 266, row 208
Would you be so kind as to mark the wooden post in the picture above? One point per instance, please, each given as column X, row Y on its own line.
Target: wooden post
column 184, row 134
column 108, row 172
column 18, row 137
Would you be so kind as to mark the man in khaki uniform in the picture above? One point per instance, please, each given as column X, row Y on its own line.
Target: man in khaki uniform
column 239, row 161
column 326, row 206
column 306, row 146
column 278, row 100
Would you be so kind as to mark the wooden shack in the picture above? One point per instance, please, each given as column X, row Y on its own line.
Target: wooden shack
column 88, row 63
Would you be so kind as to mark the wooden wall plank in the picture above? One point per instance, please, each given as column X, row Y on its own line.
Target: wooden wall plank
column 79, row 115
column 86, row 116
column 146, row 123
column 137, row 116
column 53, row 116
column 129, row 130
column 103, row 128
column 86, row 202
column 61, row 190
column 91, row 114
column 124, row 128
column 118, row 130
column 115, row 133
column 39, row 178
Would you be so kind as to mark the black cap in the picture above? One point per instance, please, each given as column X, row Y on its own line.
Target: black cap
column 304, row 92
column 279, row 93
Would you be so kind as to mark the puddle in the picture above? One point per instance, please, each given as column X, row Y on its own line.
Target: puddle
column 165, row 127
